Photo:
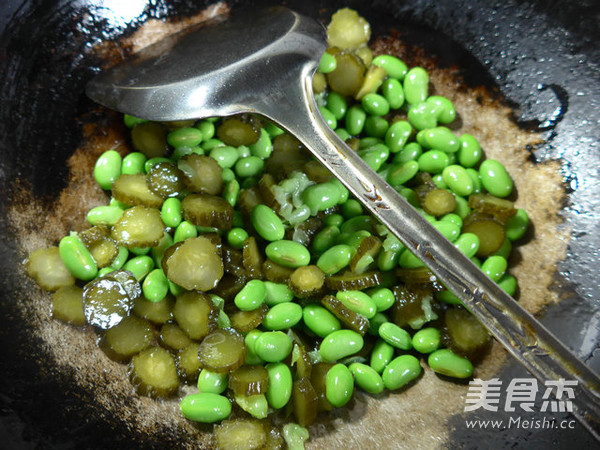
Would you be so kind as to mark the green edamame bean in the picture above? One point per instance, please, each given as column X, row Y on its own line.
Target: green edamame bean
column 401, row 371
column 355, row 120
column 462, row 207
column 504, row 249
column 185, row 137
column 516, row 226
column 395, row 336
column 426, row 340
column 171, row 212
column 376, row 126
column 231, row 191
column 267, row 223
column 277, row 293
column 447, row 297
column 367, row 378
column 104, row 215
column 319, row 320
column 243, row 151
column 77, row 259
column 469, row 152
column 453, row 218
column 449, row 230
column 416, row 85
column 320, row 197
column 335, row 258
column 375, row 104
column 339, row 344
column 180, row 152
column 184, row 230
column 228, row 175
column 423, row 115
column 495, row 178
column 328, row 117
column 410, row 152
column 104, row 271
column 342, row 190
column 334, row 220
column 383, row 297
column 445, row 362
column 393, row 92
column 433, row 161
column 212, row 382
column 121, row 258
column 351, row 208
column 402, row 173
column 263, row 147
column 494, row 267
column 358, row 301
column 508, row 283
column 397, row 135
column 381, row 356
column 408, row 260
column 205, row 407
column 375, row 322
column 283, row 316
column 140, row 266
column 439, row 138
column 458, row 180
column 131, row 121
column 133, row 163
column 477, row 185
column 394, row 67
column 288, row 253
column 107, row 169
column 342, row 133
column 209, row 144
column 140, row 250
column 155, row 286
column 327, row 64
column 375, row 156
column 250, row 341
column 337, row 104
column 273, row 346
column 362, row 222
column 325, row 239
column 279, row 390
column 225, row 155
column 446, row 112
column 207, row 128
column 252, row 295
column 249, row 166
column 467, row 243
column 150, row 163
column 236, row 237
column 339, row 385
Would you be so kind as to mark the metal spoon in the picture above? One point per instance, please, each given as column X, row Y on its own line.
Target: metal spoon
column 263, row 62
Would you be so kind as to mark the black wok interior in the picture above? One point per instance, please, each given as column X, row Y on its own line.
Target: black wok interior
column 542, row 56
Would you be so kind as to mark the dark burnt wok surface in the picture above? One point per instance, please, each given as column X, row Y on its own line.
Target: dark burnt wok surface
column 543, row 56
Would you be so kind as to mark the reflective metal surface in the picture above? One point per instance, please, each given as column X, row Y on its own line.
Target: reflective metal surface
column 208, row 73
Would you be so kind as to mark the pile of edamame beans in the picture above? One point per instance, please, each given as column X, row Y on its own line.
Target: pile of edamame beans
column 229, row 258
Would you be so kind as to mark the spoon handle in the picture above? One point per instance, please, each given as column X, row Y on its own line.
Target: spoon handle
column 542, row 354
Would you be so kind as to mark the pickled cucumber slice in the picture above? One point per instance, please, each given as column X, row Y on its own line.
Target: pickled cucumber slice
column 349, row 318
column 208, row 211
column 133, row 190
column 46, row 267
column 107, row 300
column 193, row 264
column 307, row 281
column 196, row 314
column 165, row 180
column 188, row 363
column 249, row 380
column 201, row 174
column 500, row 208
column 222, row 351
column 67, row 305
column 173, row 337
column 318, row 380
column 252, row 259
column 465, row 335
column 150, row 138
column 304, row 402
column 275, row 272
column 130, row 336
column 365, row 255
column 244, row 321
column 156, row 312
column 153, row 372
column 490, row 231
column 139, row 226
column 236, row 132
column 241, row 433
column 350, row 281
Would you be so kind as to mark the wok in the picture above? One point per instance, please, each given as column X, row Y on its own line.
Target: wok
column 541, row 58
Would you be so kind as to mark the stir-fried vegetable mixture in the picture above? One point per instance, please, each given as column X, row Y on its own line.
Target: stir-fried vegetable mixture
column 228, row 257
